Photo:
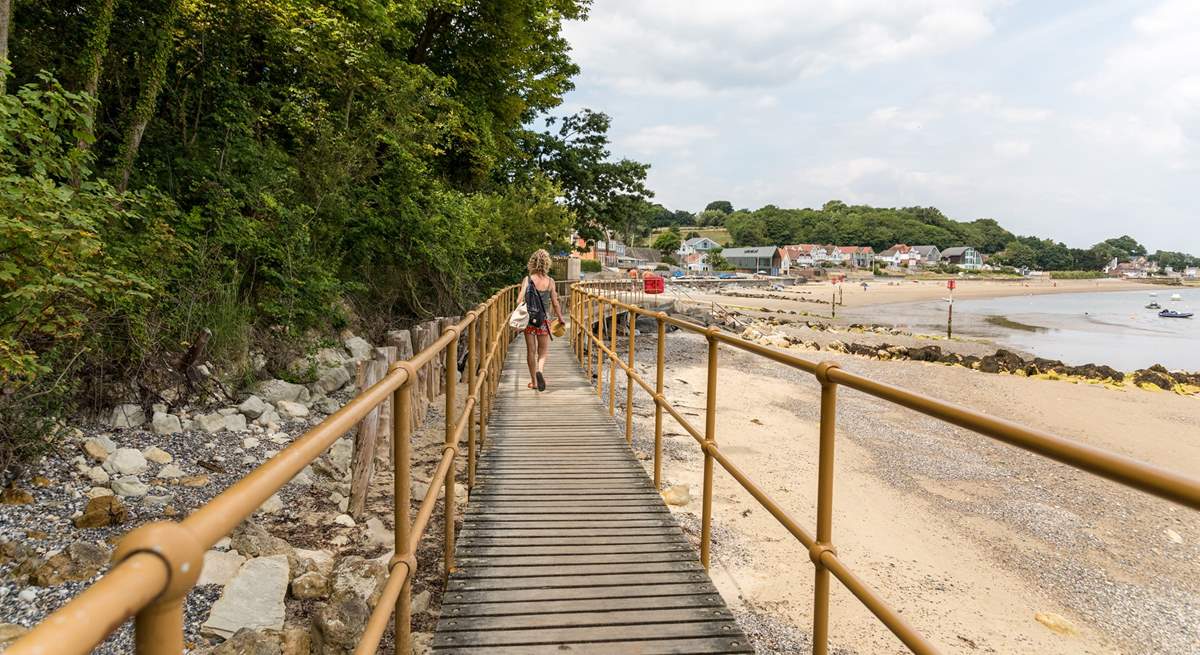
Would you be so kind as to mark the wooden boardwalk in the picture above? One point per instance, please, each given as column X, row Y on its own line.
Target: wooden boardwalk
column 566, row 547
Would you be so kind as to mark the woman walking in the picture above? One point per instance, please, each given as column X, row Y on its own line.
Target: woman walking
column 540, row 297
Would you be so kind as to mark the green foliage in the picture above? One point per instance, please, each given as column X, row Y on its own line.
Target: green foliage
column 590, row 266
column 710, row 218
column 717, row 262
column 723, row 206
column 1076, row 275
column 668, row 242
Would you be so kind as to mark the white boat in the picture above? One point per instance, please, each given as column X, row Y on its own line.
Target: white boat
column 1176, row 296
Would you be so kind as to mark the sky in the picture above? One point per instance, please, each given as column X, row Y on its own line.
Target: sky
column 1076, row 121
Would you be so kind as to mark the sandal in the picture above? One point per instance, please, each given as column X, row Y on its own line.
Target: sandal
column 531, row 386
column 541, row 382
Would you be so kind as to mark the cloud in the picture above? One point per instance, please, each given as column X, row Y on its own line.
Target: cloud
column 912, row 120
column 991, row 105
column 1012, row 148
column 662, row 138
column 873, row 180
column 697, row 48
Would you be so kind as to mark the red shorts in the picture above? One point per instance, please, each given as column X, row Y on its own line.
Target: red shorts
column 545, row 329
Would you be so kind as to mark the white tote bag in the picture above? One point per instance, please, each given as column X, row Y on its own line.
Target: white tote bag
column 519, row 320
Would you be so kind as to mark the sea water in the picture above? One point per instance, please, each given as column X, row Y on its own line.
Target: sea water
column 1112, row 328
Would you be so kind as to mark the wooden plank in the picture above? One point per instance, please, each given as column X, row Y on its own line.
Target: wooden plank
column 582, row 605
column 602, row 617
column 586, row 634
column 472, row 596
column 690, row 645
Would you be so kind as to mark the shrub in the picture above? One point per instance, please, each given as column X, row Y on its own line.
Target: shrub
column 1077, row 275
column 590, row 266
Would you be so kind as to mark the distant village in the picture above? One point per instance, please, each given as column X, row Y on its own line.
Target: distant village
column 694, row 257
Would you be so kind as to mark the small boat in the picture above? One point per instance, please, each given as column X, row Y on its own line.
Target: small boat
column 1176, row 296
column 1154, row 305
column 1168, row 313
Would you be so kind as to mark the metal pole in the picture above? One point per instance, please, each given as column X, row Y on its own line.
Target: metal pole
column 658, row 390
column 402, row 503
column 451, row 388
column 824, row 508
column 710, row 442
column 612, row 366
column 472, row 353
column 158, row 629
column 629, row 382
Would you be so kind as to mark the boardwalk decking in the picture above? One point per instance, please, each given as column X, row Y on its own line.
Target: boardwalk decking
column 566, row 547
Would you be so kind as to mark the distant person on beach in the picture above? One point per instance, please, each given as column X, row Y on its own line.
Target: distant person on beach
column 540, row 297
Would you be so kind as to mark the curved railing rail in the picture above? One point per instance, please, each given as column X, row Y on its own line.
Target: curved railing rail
column 156, row 565
column 595, row 307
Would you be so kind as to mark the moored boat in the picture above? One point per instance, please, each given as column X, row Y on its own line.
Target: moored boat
column 1154, row 305
column 1169, row 313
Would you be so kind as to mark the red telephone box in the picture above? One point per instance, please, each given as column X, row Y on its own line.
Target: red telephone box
column 653, row 283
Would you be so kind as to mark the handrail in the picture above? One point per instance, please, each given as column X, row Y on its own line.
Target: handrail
column 157, row 564
column 592, row 304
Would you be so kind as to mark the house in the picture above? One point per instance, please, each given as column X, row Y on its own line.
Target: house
column 964, row 257
column 696, row 244
column 862, row 256
column 647, row 255
column 925, row 256
column 697, row 262
column 608, row 252
column 801, row 254
column 1138, row 267
column 894, row 257
column 753, row 260
column 830, row 254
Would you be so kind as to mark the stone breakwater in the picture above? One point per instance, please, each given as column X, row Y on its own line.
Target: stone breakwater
column 1001, row 361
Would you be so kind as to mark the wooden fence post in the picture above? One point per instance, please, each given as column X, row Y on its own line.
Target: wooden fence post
column 362, row 466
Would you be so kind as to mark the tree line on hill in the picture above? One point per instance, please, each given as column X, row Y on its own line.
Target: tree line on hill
column 880, row 228
column 265, row 170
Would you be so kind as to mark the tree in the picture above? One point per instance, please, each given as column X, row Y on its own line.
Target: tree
column 717, row 262
column 1127, row 245
column 1018, row 255
column 668, row 243
column 710, row 218
column 723, row 206
column 5, row 22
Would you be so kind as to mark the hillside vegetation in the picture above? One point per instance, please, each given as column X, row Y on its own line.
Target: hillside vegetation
column 265, row 170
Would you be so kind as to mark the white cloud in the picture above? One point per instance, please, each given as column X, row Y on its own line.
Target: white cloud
column 661, row 138
column 873, row 180
column 911, row 120
column 695, row 48
column 1012, row 148
column 989, row 104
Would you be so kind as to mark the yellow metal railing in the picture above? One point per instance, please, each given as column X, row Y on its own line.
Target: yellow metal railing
column 594, row 310
column 156, row 565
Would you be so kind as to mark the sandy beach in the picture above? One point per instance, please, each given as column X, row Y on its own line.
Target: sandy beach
column 971, row 539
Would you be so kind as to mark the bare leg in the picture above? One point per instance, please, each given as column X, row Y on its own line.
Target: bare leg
column 543, row 351
column 531, row 357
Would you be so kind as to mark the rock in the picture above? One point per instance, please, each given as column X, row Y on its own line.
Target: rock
column 165, row 424
column 170, row 472
column 160, row 498
column 210, row 423
column 364, row 578
column 315, row 560
column 127, row 416
column 129, row 486
column 296, row 641
column 235, row 422
column 15, row 496
column 273, row 391
column 338, row 623
column 378, row 534
column 253, row 598
column 227, row 411
column 1055, row 622
column 1151, row 376
column 253, row 407
column 194, row 481
column 10, row 632
column 249, row 442
column 220, row 566
column 327, row 405
column 78, row 562
column 679, row 494
column 1173, row 536
column 252, row 540
column 28, row 595
column 157, row 455
column 99, row 492
column 269, row 419
column 359, row 348
column 925, row 354
column 291, row 409
column 420, row 602
column 303, row 478
column 344, row 519
column 127, row 461
column 99, row 448
column 272, row 505
column 246, row 642
column 422, row 643
column 98, row 475
column 310, row 585
column 332, row 379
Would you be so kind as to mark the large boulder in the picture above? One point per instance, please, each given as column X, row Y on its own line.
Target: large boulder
column 165, row 424
column 220, row 566
column 925, row 354
column 338, row 624
column 126, row 461
column 99, row 447
column 1154, row 377
column 253, row 407
column 128, row 415
column 129, row 486
column 253, row 599
column 291, row 409
column 210, row 423
column 332, row 379
column 252, row 540
column 157, row 455
column 364, row 578
column 102, row 511
column 359, row 348
column 273, row 391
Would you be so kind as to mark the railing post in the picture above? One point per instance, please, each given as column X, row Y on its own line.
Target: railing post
column 658, row 390
column 710, row 442
column 599, row 353
column 402, row 504
column 451, row 388
column 824, row 508
column 158, row 628
column 630, row 322
column 472, row 354
column 612, row 365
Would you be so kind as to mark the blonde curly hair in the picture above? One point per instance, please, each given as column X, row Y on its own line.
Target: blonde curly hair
column 539, row 262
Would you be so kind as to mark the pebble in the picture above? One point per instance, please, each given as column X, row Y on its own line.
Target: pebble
column 249, row 442
column 344, row 519
column 157, row 455
column 29, row 594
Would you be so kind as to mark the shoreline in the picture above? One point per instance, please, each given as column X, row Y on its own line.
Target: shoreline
column 927, row 290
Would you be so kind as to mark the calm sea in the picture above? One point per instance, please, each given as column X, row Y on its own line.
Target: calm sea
column 1113, row 328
